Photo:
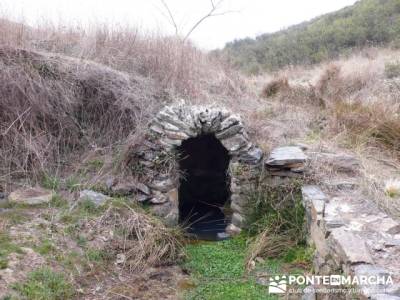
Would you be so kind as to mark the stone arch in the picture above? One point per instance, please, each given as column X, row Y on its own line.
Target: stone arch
column 177, row 123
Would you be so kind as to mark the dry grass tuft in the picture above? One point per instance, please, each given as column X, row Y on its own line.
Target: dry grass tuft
column 371, row 123
column 269, row 244
column 387, row 132
column 142, row 239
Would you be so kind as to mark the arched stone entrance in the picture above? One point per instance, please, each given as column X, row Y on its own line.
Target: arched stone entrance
column 204, row 185
column 211, row 148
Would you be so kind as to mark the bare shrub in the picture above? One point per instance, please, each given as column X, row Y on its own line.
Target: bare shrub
column 275, row 86
column 392, row 69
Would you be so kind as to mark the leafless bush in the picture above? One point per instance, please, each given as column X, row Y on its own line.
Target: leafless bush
column 275, row 86
column 329, row 84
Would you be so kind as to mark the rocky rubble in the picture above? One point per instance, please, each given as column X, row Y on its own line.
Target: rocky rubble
column 351, row 235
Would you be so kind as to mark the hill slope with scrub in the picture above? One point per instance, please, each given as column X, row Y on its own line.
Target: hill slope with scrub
column 366, row 23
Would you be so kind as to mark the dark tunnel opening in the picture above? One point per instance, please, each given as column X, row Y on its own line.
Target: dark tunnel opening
column 204, row 187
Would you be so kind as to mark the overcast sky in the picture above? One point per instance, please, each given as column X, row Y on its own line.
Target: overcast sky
column 249, row 17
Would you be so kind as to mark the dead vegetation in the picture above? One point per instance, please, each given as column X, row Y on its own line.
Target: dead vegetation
column 354, row 97
column 348, row 105
column 276, row 85
column 52, row 106
column 139, row 239
column 67, row 90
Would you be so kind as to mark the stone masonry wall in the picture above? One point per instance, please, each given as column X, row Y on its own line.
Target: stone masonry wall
column 156, row 158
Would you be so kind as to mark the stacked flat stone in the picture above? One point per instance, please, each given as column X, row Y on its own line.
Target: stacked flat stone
column 176, row 123
column 287, row 161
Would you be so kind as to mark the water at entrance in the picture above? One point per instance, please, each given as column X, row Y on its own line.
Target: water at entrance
column 204, row 187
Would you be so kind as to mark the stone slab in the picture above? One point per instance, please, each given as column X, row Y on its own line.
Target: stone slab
column 97, row 198
column 30, row 196
column 351, row 248
column 285, row 156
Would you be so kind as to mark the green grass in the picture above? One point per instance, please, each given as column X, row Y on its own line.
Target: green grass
column 15, row 216
column 276, row 219
column 299, row 255
column 51, row 182
column 45, row 284
column 222, row 270
column 73, row 183
column 6, row 247
column 95, row 255
column 74, row 262
column 58, row 202
column 69, row 260
column 81, row 240
column 85, row 209
column 218, row 270
column 46, row 247
column 95, row 164
column 88, row 207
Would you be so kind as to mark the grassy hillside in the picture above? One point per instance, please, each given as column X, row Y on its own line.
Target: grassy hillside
column 366, row 23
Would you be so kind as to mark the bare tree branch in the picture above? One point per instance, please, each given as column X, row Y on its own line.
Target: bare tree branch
column 170, row 16
column 212, row 13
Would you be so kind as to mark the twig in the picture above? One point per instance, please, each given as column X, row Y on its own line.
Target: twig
column 171, row 16
column 17, row 119
column 212, row 13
